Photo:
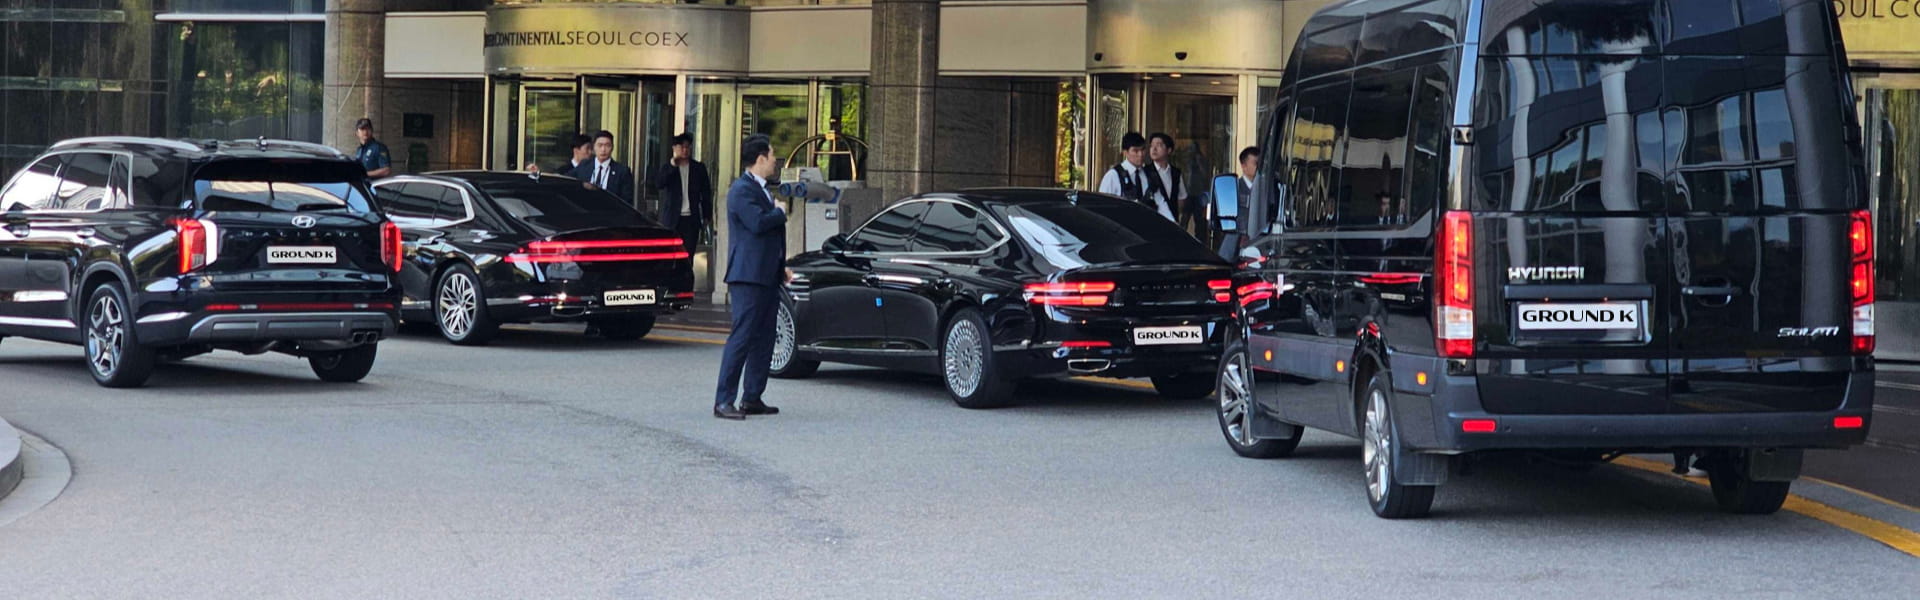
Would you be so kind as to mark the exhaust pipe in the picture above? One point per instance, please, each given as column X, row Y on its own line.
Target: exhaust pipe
column 365, row 337
column 1084, row 366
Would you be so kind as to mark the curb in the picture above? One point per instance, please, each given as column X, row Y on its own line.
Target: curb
column 11, row 469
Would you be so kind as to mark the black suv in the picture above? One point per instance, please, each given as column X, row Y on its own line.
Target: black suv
column 145, row 250
column 1569, row 227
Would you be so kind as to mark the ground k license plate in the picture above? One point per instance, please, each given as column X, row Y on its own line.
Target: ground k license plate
column 1579, row 317
column 301, row 255
column 629, row 298
column 1168, row 336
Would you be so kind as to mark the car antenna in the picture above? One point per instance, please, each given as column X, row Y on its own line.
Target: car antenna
column 262, row 142
column 1073, row 197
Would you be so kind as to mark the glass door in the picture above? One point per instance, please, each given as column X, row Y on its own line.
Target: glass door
column 1892, row 128
column 778, row 111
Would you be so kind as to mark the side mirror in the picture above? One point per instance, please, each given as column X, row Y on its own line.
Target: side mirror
column 836, row 245
column 1226, row 202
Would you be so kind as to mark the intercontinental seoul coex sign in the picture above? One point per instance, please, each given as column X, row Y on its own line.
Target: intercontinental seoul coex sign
column 1880, row 32
column 586, row 39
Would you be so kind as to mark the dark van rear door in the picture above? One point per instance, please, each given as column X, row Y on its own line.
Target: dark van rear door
column 1685, row 160
column 1763, row 182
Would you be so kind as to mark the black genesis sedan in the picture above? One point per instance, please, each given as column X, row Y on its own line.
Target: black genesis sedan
column 485, row 248
column 986, row 287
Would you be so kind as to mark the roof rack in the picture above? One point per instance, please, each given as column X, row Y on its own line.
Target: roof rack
column 174, row 144
column 264, row 143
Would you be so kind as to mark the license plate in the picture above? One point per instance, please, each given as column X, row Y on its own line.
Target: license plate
column 301, row 255
column 1579, row 317
column 628, row 298
column 1168, row 336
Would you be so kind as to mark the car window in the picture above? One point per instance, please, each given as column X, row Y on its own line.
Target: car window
column 1372, row 196
column 889, row 231
column 1101, row 230
column 83, row 182
column 281, row 186
column 554, row 197
column 32, row 188
column 951, row 227
column 450, row 206
column 407, row 204
column 155, row 183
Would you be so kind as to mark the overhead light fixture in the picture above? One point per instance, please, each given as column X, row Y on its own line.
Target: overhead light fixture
column 1215, row 82
column 1174, row 75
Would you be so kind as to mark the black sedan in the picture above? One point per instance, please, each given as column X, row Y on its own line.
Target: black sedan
column 485, row 248
column 986, row 287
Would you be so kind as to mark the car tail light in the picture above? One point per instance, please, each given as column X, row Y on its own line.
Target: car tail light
column 1222, row 290
column 199, row 243
column 1086, row 344
column 391, row 247
column 1849, row 422
column 1070, row 293
column 300, row 306
column 1479, row 426
column 601, row 251
column 1860, row 238
column 1453, row 268
column 1255, row 292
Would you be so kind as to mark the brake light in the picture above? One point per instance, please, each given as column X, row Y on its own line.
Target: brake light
column 1860, row 238
column 1070, row 293
column 1255, row 292
column 601, row 251
column 1222, row 290
column 199, row 243
column 301, row 306
column 1085, row 344
column 1849, row 422
column 391, row 247
column 1453, row 268
column 1479, row 426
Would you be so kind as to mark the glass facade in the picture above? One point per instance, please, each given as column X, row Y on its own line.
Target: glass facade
column 73, row 68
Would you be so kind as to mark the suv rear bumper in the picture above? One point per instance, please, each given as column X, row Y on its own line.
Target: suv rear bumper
column 356, row 326
column 1434, row 425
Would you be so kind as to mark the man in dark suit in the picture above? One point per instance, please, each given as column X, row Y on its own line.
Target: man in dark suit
column 686, row 193
column 604, row 172
column 756, row 267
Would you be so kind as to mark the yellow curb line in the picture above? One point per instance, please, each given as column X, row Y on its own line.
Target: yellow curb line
column 670, row 338
column 1869, row 495
column 694, row 328
column 1892, row 535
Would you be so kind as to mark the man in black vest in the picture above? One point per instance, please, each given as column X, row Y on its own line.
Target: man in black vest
column 1167, row 180
column 1131, row 180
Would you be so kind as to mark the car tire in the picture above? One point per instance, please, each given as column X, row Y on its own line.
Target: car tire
column 1738, row 493
column 460, row 308
column 1235, row 411
column 625, row 328
column 787, row 363
column 115, row 357
column 1382, row 453
column 344, row 366
column 967, row 365
column 1184, row 386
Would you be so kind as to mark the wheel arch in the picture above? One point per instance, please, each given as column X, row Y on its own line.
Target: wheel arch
column 93, row 276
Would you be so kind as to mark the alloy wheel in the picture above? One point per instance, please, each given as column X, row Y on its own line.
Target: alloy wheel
column 964, row 358
column 458, row 304
column 782, row 338
column 1235, row 405
column 106, row 332
column 1377, row 446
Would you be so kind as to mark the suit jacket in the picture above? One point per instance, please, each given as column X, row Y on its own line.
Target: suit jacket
column 756, row 235
column 619, row 178
column 699, row 188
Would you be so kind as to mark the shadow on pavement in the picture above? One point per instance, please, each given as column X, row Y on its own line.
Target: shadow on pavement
column 191, row 373
column 1032, row 397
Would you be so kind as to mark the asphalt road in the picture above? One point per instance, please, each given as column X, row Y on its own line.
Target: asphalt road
column 552, row 465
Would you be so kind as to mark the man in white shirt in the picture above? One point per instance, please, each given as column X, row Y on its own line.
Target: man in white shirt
column 1172, row 186
column 1129, row 178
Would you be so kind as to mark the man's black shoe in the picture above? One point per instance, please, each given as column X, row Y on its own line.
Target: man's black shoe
column 759, row 409
column 729, row 412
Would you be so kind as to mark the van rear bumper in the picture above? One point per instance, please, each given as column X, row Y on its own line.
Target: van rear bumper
column 1435, row 425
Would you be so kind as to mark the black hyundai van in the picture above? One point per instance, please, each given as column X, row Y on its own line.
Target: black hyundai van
column 147, row 250
column 1578, row 227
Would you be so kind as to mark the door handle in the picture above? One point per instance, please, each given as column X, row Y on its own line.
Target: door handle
column 1697, row 290
column 86, row 232
column 19, row 228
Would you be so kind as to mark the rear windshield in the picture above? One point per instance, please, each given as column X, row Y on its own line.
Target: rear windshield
column 1101, row 231
column 552, row 205
column 272, row 185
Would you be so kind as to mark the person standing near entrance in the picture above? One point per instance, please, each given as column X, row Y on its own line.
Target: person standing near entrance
column 1129, row 178
column 1167, row 180
column 373, row 155
column 756, row 268
column 582, row 152
column 604, row 172
column 686, row 193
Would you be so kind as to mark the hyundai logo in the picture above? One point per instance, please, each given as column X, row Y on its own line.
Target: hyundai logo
column 304, row 221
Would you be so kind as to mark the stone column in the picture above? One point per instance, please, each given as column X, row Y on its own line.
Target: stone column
column 906, row 69
column 356, row 71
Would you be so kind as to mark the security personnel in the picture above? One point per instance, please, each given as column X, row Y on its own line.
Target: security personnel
column 373, row 155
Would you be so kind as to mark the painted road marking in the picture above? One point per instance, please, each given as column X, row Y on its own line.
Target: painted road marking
column 1893, row 536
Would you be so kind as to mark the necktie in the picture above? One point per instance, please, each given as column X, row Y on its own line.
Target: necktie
column 600, row 175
